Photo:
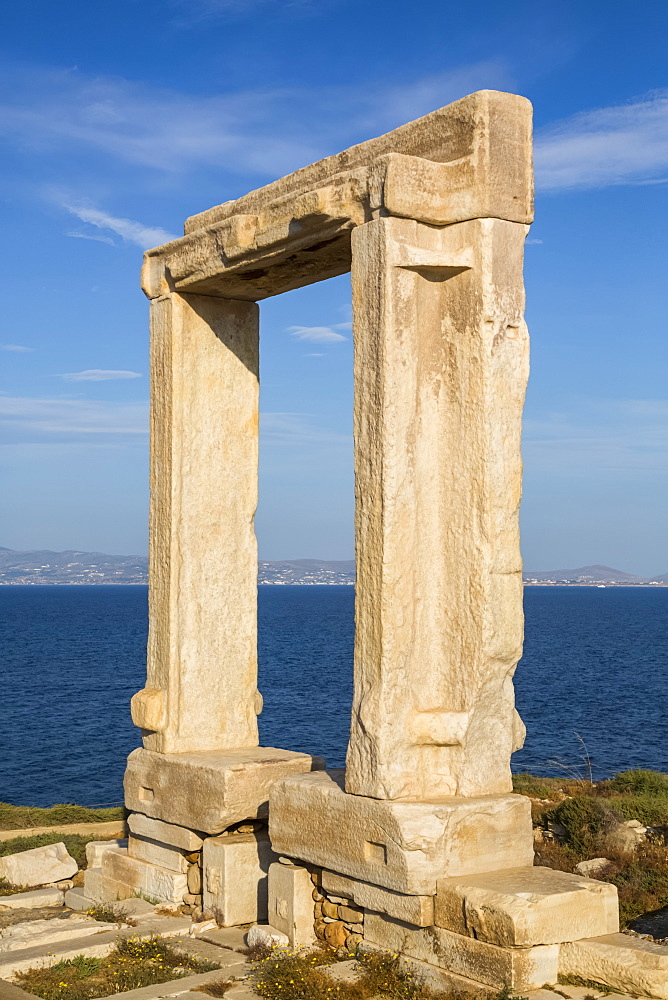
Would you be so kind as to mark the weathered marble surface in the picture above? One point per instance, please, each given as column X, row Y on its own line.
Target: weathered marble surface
column 403, row 846
column 470, row 159
column 441, row 365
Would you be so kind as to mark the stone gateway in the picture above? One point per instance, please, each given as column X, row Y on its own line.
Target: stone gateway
column 420, row 845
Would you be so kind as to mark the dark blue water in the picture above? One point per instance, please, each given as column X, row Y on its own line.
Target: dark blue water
column 594, row 664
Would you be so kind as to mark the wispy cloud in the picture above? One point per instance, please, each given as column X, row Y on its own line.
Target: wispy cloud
column 269, row 132
column 17, row 348
column 624, row 144
column 129, row 230
column 92, row 236
column 48, row 418
column 199, row 10
column 98, row 375
column 298, row 429
column 599, row 437
column 316, row 334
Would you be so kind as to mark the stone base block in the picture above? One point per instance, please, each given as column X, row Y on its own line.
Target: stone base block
column 154, row 853
column 164, row 833
column 77, row 899
column 96, row 848
column 516, row 968
column 34, row 899
column 417, row 910
column 403, row 846
column 626, row 964
column 142, row 878
column 38, row 866
column 209, row 791
column 523, row 907
column 236, row 871
column 291, row 903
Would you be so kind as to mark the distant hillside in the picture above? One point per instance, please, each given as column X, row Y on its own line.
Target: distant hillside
column 585, row 574
column 303, row 571
column 43, row 567
column 70, row 567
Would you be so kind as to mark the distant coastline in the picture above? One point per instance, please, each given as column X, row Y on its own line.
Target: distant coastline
column 72, row 567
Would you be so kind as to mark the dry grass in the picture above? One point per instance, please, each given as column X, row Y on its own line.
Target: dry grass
column 132, row 964
column 109, row 914
column 215, row 989
column 287, row 975
column 8, row 889
column 20, row 817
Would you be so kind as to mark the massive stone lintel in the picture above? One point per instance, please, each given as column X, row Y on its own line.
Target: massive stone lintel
column 404, row 846
column 470, row 159
column 209, row 791
column 441, row 363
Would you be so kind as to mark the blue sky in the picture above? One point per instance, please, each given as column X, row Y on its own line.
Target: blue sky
column 118, row 121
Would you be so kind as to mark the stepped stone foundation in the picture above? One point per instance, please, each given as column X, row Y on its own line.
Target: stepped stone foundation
column 419, row 846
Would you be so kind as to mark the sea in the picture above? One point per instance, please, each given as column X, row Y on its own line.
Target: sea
column 591, row 686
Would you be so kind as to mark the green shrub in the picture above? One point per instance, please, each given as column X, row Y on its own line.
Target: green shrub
column 535, row 787
column 586, row 820
column 649, row 784
column 650, row 810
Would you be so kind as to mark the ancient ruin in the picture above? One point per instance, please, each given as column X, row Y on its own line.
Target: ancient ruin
column 420, row 846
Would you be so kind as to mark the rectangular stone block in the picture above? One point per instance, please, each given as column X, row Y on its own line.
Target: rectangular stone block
column 403, row 846
column 236, row 870
column 51, row 863
column 526, row 906
column 291, row 908
column 209, row 791
column 165, row 833
column 162, row 855
column 516, row 968
column 626, row 964
column 95, row 888
column 418, row 910
column 96, row 848
column 144, row 878
column 77, row 899
column 34, row 899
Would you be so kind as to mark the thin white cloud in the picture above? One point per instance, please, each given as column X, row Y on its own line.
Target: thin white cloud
column 93, row 237
column 131, row 231
column 44, row 419
column 269, row 132
column 98, row 375
column 599, row 437
column 297, row 429
column 316, row 334
column 624, row 144
column 315, row 354
column 199, row 10
column 17, row 348
column 533, row 242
